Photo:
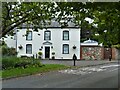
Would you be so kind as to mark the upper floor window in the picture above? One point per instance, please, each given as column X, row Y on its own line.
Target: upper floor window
column 65, row 35
column 65, row 49
column 29, row 35
column 29, row 49
column 47, row 35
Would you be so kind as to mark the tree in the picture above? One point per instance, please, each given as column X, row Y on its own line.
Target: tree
column 105, row 15
column 76, row 12
column 15, row 14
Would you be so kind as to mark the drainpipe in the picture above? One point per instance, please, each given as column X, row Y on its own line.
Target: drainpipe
column 16, row 38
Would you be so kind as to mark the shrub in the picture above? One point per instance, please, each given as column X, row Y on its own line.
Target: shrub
column 6, row 51
column 14, row 62
column 53, row 57
column 53, row 53
column 40, row 53
column 37, row 63
column 22, row 63
column 9, row 62
column 12, row 51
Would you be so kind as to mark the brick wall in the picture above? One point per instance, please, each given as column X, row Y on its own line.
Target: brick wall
column 115, row 53
column 94, row 52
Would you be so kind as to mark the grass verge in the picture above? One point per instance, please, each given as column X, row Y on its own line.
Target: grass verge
column 17, row 72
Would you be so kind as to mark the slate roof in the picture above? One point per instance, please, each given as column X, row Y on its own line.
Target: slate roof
column 55, row 24
column 90, row 41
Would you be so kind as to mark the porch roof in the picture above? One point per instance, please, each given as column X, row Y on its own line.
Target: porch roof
column 90, row 42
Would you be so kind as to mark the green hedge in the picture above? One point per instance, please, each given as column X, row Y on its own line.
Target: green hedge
column 14, row 62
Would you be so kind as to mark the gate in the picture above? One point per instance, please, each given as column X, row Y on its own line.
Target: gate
column 107, row 53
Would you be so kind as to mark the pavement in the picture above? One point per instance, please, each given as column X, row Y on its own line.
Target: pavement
column 79, row 63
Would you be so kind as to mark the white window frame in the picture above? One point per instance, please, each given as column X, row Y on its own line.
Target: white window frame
column 65, row 48
column 65, row 35
column 28, row 48
column 29, row 36
column 47, row 37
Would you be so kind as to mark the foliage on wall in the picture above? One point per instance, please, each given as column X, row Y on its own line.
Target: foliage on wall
column 116, row 46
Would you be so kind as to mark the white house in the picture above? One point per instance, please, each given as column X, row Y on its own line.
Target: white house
column 63, row 41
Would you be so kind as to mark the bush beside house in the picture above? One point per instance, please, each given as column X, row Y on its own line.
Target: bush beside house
column 53, row 55
column 40, row 54
column 6, row 51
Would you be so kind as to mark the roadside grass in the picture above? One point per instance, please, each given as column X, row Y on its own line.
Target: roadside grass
column 17, row 72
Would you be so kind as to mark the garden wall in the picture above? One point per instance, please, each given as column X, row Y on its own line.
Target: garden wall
column 115, row 54
column 91, row 52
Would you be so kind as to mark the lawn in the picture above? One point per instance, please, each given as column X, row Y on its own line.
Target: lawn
column 17, row 72
column 16, row 67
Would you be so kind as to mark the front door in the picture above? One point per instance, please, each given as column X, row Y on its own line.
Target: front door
column 47, row 52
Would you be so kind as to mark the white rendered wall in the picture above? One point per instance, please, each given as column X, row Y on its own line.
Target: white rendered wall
column 56, row 40
column 74, row 39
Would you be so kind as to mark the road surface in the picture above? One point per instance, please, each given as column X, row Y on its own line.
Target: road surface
column 101, row 76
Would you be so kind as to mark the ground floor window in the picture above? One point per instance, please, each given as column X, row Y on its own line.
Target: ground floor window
column 65, row 49
column 29, row 49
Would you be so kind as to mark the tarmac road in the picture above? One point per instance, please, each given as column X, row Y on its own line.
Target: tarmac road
column 100, row 76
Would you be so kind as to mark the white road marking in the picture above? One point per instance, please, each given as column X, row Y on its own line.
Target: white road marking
column 110, row 66
column 95, row 69
column 87, row 70
column 82, row 71
column 113, row 70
